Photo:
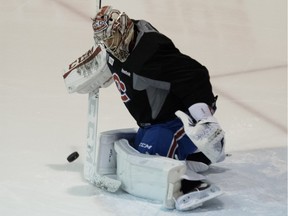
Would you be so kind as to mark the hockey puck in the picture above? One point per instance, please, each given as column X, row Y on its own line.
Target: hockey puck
column 72, row 157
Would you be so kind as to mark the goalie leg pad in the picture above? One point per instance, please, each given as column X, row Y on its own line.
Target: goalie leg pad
column 105, row 152
column 102, row 171
column 149, row 176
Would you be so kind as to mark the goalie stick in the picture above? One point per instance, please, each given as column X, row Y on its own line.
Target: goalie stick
column 90, row 160
column 90, row 164
column 87, row 74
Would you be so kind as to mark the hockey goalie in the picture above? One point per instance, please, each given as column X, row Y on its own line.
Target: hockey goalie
column 169, row 95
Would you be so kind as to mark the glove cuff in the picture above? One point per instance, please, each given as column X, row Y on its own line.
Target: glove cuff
column 199, row 111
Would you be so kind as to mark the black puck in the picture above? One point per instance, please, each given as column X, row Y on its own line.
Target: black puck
column 73, row 156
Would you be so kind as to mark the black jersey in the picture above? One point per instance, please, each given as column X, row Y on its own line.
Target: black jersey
column 156, row 80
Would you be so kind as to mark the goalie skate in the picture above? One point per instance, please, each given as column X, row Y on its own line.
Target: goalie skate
column 197, row 197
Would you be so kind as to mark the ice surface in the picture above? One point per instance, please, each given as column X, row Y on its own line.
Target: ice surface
column 242, row 43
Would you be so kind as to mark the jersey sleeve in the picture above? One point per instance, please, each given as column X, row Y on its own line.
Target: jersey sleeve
column 192, row 86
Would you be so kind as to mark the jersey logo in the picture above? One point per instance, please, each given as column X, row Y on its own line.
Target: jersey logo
column 121, row 87
column 125, row 72
column 110, row 60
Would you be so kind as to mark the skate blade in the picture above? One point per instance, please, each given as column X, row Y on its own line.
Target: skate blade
column 197, row 198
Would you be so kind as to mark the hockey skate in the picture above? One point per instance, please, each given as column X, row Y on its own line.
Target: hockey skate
column 194, row 198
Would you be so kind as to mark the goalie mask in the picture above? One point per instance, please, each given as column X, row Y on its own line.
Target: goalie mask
column 115, row 30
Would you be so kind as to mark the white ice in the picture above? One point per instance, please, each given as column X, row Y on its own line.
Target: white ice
column 243, row 43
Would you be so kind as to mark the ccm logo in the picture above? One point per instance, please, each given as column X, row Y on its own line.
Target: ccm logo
column 88, row 56
column 144, row 145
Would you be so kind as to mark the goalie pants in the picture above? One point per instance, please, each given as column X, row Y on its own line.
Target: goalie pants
column 165, row 139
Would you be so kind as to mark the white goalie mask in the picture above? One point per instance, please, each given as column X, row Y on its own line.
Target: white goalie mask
column 115, row 30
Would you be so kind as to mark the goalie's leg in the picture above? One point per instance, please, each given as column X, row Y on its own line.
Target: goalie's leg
column 166, row 139
column 169, row 140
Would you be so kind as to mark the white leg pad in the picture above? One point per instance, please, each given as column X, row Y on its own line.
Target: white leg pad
column 101, row 163
column 105, row 153
column 149, row 176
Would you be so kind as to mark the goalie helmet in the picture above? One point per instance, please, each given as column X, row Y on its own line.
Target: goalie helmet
column 115, row 29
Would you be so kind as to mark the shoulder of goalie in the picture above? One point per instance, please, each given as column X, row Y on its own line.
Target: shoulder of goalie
column 206, row 134
column 88, row 72
column 147, row 176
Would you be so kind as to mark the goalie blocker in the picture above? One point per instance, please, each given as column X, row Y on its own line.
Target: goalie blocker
column 89, row 72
